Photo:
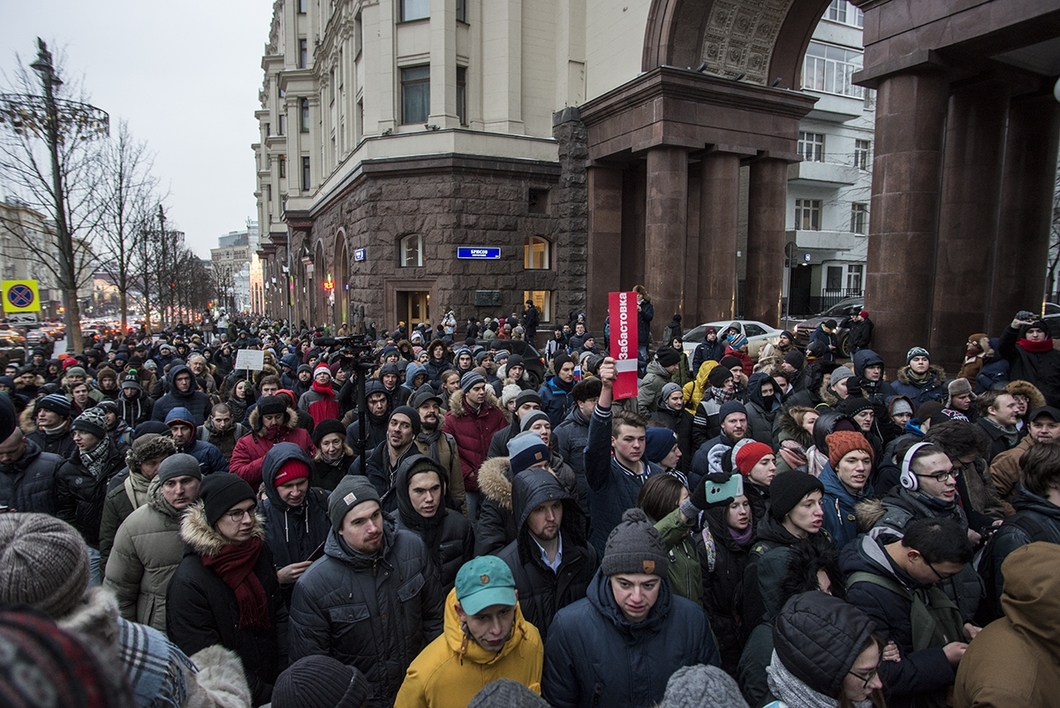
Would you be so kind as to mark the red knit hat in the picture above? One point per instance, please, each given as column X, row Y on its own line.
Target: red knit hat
column 844, row 441
column 750, row 454
column 290, row 471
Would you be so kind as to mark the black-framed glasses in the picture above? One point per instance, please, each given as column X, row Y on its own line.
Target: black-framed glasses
column 940, row 576
column 942, row 476
column 868, row 677
column 238, row 514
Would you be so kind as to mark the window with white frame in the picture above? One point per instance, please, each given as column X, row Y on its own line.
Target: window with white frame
column 808, row 214
column 415, row 10
column 863, row 154
column 843, row 12
column 415, row 94
column 859, row 218
column 830, row 69
column 537, row 252
column 411, row 251
column 854, row 275
column 811, row 146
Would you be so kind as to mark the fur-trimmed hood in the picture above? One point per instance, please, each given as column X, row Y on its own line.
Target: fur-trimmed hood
column 805, row 560
column 456, row 402
column 790, row 427
column 256, row 426
column 203, row 539
column 161, row 446
column 1019, row 387
column 494, row 482
column 96, row 616
column 869, row 511
column 937, row 375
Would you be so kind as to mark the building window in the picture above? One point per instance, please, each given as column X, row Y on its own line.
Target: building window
column 305, row 174
column 415, row 10
column 358, row 37
column 808, row 214
column 303, row 115
column 415, row 94
column 282, row 161
column 845, row 13
column 359, row 126
column 283, row 124
column 461, row 94
column 537, row 253
column 830, row 69
column 863, row 154
column 461, row 11
column 302, row 5
column 833, row 278
column 811, row 146
column 411, row 251
column 303, row 53
column 859, row 218
column 542, row 299
column 854, row 273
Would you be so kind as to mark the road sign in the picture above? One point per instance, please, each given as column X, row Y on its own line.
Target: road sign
column 22, row 318
column 476, row 253
column 358, row 255
column 20, row 296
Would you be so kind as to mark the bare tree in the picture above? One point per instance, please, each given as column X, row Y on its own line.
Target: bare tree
column 1054, row 240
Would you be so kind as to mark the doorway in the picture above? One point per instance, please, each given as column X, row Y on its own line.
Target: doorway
column 413, row 306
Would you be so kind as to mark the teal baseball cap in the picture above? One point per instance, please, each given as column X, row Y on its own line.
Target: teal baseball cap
column 483, row 582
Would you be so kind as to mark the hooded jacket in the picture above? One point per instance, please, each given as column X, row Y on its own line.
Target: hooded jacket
column 292, row 533
column 453, row 668
column 197, row 402
column 80, row 493
column 448, row 536
column 556, row 399
column 375, row 613
column 876, row 391
column 722, row 563
column 28, row 484
column 761, row 412
column 650, row 387
column 596, row 658
column 249, row 453
column 543, row 591
column 1013, row 661
column 202, row 610
column 146, row 553
column 137, row 409
column 473, row 432
column 840, row 512
column 932, row 388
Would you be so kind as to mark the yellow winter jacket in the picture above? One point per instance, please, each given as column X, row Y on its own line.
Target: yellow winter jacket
column 452, row 669
column 694, row 390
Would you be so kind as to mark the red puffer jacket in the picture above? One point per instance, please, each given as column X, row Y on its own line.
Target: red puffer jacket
column 473, row 432
column 249, row 452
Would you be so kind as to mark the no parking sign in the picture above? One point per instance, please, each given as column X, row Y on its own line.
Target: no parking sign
column 20, row 296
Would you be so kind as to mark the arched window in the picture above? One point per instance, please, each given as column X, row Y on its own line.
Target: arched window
column 411, row 251
column 537, row 253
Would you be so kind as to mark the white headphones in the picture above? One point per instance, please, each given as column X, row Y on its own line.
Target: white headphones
column 909, row 478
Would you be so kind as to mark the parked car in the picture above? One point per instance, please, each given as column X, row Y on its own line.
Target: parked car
column 757, row 333
column 1052, row 318
column 10, row 351
column 840, row 311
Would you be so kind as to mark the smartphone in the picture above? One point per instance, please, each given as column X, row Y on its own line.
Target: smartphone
column 733, row 488
column 319, row 552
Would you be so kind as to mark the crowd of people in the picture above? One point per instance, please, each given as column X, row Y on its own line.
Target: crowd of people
column 467, row 515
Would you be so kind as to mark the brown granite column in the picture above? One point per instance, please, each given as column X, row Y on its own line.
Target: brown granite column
column 719, row 205
column 766, row 204
column 605, row 240
column 1022, row 245
column 665, row 232
column 910, row 120
column 968, row 213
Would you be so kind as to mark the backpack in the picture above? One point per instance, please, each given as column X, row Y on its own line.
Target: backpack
column 991, row 608
column 935, row 620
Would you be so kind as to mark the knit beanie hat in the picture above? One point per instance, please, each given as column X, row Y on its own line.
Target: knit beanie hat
column 178, row 465
column 514, row 360
column 527, row 396
column 900, row 404
column 796, row 359
column 736, row 341
column 749, row 454
column 149, row 427
column 916, row 351
column 659, row 443
column 852, row 405
column 730, row 407
column 526, row 450
column 271, row 405
column 327, row 427
column 353, row 489
column 43, row 563
column 668, row 390
column 291, row 471
column 412, row 414
column 634, row 546
column 93, row 421
column 730, row 362
column 509, row 393
column 843, row 442
column 76, row 371
column 718, row 376
column 818, row 637
column 221, row 491
column 559, row 360
column 689, row 685
column 132, row 381
column 506, row 693
column 320, row 681
column 530, row 418
column 668, row 356
column 470, row 379
column 840, row 374
column 787, row 489
column 322, row 368
column 55, row 402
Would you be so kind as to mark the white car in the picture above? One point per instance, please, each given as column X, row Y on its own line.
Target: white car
column 757, row 333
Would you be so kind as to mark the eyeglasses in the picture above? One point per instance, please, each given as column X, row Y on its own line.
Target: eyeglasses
column 940, row 576
column 238, row 514
column 867, row 679
column 942, row 476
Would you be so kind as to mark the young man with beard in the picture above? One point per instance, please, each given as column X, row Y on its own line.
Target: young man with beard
column 344, row 607
column 438, row 445
column 182, row 430
column 320, row 401
column 732, row 417
column 384, row 460
column 182, row 394
column 1005, row 467
column 271, row 422
column 473, row 418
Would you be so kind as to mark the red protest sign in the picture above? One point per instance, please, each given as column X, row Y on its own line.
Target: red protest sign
column 623, row 312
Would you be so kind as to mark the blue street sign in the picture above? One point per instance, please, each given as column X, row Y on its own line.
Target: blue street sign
column 478, row 253
column 358, row 255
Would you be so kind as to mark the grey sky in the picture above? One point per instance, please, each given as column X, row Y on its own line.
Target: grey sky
column 185, row 75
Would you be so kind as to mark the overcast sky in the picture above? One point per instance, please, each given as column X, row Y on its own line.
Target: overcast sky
column 185, row 75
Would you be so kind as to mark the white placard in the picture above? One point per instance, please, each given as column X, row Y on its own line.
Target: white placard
column 252, row 359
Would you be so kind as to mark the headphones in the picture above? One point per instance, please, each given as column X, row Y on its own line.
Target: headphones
column 909, row 479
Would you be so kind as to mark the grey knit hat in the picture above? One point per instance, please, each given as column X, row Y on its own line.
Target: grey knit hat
column 506, row 693
column 470, row 379
column 526, row 450
column 531, row 418
column 689, row 685
column 667, row 391
column 634, row 546
column 93, row 421
column 43, row 563
column 320, row 682
column 179, row 465
column 841, row 373
column 351, row 490
column 55, row 402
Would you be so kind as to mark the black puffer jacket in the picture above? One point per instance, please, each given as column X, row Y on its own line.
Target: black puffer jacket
column 1041, row 369
column 723, row 563
column 448, row 535
column 28, row 485
column 80, row 494
column 372, row 612
column 543, row 591
column 292, row 533
column 197, row 402
column 61, row 444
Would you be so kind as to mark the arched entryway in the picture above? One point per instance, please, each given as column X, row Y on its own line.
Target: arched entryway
column 342, row 282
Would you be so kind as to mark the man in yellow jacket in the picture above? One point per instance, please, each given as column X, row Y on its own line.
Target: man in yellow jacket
column 486, row 638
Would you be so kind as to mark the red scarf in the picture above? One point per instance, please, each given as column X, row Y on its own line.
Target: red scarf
column 1036, row 347
column 324, row 390
column 235, row 564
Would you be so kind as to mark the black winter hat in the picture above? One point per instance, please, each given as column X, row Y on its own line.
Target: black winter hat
column 788, row 489
column 796, row 359
column 412, row 414
column 326, row 427
column 853, row 405
column 320, row 682
column 271, row 405
column 55, row 402
column 668, row 356
column 221, row 491
column 730, row 407
column 424, row 394
column 731, row 362
column 718, row 376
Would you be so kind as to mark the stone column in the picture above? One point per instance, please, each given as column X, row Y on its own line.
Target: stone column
column 665, row 232
column 910, row 120
column 968, row 212
column 719, row 205
column 1022, row 244
column 766, row 204
column 604, row 249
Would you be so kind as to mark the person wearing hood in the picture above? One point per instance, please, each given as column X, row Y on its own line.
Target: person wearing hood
column 128, row 490
column 421, row 488
column 919, row 379
column 555, row 393
column 660, row 370
column 182, row 393
column 1029, row 349
column 763, row 404
column 373, row 601
column 147, row 548
column 296, row 515
column 868, row 367
column 846, row 482
column 486, row 638
column 333, row 456
column 225, row 590
column 288, row 366
column 438, row 445
column 303, row 380
column 272, row 421
column 620, row 644
column 320, row 400
column 1013, row 663
column 134, row 405
column 377, row 415
column 183, row 432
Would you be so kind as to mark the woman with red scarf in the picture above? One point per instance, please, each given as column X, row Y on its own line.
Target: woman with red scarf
column 1032, row 356
column 320, row 401
column 225, row 589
